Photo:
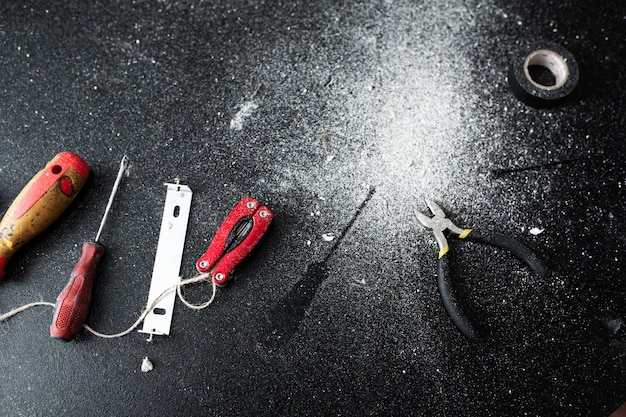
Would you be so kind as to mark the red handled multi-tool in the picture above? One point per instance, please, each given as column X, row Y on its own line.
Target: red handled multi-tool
column 240, row 232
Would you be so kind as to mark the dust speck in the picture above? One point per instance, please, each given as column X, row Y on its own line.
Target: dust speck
column 146, row 365
column 246, row 110
column 328, row 237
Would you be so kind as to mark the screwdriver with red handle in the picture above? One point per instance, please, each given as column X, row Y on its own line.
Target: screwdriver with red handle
column 72, row 305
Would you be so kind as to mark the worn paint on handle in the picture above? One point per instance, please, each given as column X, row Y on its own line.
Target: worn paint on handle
column 41, row 202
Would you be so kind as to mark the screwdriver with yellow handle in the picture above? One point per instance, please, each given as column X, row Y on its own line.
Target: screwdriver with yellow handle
column 41, row 202
column 72, row 305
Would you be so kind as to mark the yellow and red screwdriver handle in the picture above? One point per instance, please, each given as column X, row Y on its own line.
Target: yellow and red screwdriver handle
column 41, row 202
column 240, row 232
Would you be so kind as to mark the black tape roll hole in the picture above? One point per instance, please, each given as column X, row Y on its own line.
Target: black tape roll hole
column 546, row 69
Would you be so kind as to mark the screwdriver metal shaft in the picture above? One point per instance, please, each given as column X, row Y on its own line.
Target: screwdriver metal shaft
column 116, row 185
column 72, row 305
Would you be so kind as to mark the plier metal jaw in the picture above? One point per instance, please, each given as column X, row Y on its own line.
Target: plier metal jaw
column 439, row 224
column 238, row 235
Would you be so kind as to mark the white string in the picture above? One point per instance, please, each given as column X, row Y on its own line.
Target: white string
column 147, row 311
column 177, row 287
column 18, row 310
column 197, row 306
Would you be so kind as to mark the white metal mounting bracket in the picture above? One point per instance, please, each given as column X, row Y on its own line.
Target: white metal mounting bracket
column 165, row 274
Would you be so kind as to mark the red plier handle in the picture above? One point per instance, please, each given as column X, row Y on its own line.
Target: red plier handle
column 240, row 232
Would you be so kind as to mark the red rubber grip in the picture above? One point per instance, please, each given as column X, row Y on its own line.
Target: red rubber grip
column 230, row 246
column 245, row 208
column 230, row 260
column 72, row 305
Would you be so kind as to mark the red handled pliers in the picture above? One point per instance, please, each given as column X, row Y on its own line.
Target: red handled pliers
column 240, row 232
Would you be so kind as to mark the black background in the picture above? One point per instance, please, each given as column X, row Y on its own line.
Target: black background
column 353, row 326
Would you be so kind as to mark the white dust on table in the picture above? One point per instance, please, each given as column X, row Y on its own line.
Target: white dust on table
column 406, row 129
column 245, row 111
column 407, row 125
column 412, row 130
column 328, row 237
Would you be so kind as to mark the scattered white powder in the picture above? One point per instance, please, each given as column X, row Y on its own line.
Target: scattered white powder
column 406, row 124
column 246, row 110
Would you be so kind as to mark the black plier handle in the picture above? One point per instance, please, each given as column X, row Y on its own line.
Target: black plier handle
column 439, row 224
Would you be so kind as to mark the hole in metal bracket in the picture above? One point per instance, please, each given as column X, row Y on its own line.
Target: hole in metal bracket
column 159, row 311
column 176, row 211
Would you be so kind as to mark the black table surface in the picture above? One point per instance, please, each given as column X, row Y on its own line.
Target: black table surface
column 342, row 117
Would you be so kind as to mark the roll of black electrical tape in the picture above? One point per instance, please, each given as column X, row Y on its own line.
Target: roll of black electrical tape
column 543, row 75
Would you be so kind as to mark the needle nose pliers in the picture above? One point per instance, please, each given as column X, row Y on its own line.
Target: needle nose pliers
column 439, row 224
